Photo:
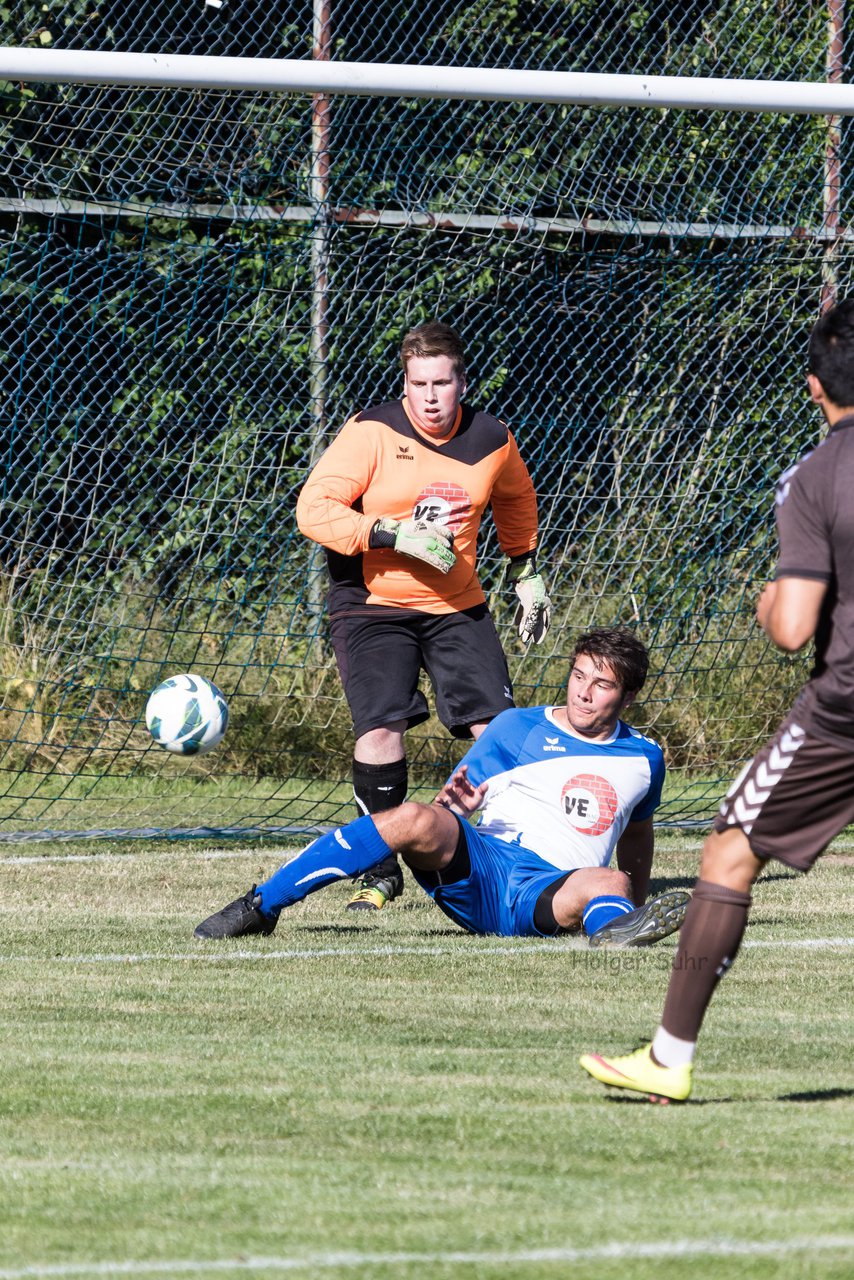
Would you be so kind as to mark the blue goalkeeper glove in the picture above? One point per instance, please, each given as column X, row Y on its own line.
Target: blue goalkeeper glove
column 422, row 539
column 534, row 610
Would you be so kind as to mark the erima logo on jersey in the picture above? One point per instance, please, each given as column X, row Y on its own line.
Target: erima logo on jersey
column 554, row 744
column 403, row 454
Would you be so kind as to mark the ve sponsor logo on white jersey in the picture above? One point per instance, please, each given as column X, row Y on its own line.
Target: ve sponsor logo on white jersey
column 589, row 803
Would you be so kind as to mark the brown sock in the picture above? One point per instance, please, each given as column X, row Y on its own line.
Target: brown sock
column 708, row 943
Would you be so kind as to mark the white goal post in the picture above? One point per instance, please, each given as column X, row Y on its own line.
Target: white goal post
column 415, row 81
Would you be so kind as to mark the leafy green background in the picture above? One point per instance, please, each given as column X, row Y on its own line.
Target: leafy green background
column 635, row 289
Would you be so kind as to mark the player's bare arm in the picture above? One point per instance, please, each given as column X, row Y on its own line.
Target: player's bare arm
column 460, row 795
column 788, row 611
column 634, row 857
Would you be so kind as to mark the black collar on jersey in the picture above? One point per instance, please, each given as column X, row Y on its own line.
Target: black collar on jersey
column 478, row 434
column 847, row 421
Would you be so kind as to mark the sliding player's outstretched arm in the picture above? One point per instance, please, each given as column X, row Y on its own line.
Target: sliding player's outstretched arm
column 460, row 795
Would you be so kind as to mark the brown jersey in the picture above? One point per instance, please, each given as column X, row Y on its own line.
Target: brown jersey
column 815, row 522
column 379, row 465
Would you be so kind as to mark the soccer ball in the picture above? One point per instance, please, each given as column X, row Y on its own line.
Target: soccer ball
column 187, row 714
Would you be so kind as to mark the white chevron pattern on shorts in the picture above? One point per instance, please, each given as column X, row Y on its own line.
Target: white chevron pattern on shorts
column 744, row 801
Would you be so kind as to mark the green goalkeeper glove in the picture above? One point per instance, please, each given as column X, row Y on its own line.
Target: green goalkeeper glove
column 422, row 539
column 534, row 610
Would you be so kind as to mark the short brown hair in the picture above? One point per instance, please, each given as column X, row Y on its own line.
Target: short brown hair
column 831, row 347
column 434, row 339
column 620, row 648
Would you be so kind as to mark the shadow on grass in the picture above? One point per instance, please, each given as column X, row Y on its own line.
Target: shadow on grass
column 336, row 928
column 660, row 884
column 641, row 1099
column 816, row 1095
column 812, row 1095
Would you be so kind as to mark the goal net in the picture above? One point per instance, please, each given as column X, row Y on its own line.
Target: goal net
column 200, row 285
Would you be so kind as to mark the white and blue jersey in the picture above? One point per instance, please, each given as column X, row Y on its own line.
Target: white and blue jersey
column 560, row 795
column 556, row 802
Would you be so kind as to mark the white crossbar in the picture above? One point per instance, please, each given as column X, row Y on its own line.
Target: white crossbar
column 403, row 80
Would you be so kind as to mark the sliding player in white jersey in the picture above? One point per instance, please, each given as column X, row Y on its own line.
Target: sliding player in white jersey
column 560, row 789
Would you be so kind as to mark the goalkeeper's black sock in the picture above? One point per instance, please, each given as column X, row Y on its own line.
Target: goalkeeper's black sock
column 377, row 787
column 339, row 855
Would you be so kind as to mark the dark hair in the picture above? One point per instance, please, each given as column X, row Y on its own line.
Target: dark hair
column 831, row 353
column 620, row 648
column 434, row 339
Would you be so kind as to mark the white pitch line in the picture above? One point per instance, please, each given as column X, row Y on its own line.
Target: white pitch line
column 360, row 1261
column 578, row 953
column 800, row 944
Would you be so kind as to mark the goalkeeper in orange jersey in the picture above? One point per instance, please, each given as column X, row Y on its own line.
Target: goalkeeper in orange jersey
column 397, row 500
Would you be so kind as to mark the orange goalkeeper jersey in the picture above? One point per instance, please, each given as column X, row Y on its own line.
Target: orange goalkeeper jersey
column 380, row 464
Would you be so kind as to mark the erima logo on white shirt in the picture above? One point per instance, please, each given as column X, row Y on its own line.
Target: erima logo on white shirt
column 554, row 744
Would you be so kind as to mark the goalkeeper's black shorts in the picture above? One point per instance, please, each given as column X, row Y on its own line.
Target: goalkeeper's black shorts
column 381, row 653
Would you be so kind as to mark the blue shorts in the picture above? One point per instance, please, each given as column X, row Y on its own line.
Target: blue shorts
column 501, row 890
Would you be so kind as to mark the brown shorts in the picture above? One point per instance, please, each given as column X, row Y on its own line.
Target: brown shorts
column 794, row 796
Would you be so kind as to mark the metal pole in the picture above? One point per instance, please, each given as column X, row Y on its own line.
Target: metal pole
column 321, row 108
column 402, row 80
column 832, row 162
column 318, row 360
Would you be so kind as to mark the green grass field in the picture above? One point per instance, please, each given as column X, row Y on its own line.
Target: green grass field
column 110, row 804
column 392, row 1098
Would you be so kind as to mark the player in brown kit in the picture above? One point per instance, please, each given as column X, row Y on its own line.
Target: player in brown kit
column 798, row 791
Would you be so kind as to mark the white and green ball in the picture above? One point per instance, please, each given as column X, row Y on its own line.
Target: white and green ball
column 187, row 714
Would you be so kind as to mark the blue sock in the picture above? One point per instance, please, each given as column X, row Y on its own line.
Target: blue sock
column 338, row 855
column 602, row 910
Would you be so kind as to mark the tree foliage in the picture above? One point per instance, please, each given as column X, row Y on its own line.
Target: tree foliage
column 634, row 288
